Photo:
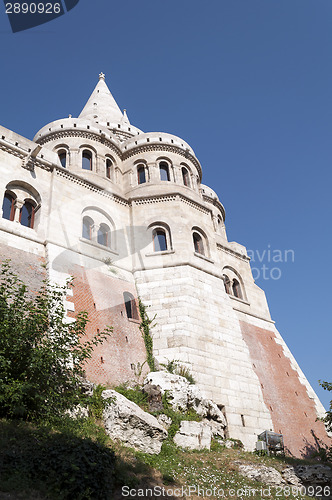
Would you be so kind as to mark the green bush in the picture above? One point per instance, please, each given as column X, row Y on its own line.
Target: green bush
column 174, row 366
column 134, row 394
column 41, row 355
column 97, row 404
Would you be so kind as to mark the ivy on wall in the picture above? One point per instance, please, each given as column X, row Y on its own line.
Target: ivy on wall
column 145, row 326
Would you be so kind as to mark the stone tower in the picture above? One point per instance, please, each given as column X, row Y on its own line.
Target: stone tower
column 126, row 214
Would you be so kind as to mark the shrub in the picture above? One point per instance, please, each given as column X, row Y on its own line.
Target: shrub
column 174, row 366
column 41, row 355
column 134, row 394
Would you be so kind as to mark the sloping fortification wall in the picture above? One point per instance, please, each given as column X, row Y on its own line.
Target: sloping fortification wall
column 197, row 325
column 292, row 402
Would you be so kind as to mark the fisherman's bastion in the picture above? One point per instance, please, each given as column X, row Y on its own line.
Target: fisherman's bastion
column 125, row 213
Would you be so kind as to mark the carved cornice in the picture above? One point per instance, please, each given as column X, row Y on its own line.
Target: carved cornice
column 170, row 197
column 83, row 134
column 27, row 162
column 216, row 203
column 92, row 187
column 233, row 252
column 8, row 148
column 143, row 148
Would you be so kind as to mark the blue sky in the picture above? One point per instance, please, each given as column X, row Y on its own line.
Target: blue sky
column 247, row 83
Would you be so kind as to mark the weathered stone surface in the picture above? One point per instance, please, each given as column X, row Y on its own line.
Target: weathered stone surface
column 154, row 397
column 184, row 395
column 227, row 443
column 126, row 421
column 217, row 429
column 87, row 387
column 193, row 435
column 164, row 420
column 290, row 476
column 261, row 473
column 314, row 474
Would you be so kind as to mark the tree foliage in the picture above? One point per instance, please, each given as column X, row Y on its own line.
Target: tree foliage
column 42, row 355
column 328, row 418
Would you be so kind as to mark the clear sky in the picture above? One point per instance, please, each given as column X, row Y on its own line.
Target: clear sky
column 247, row 83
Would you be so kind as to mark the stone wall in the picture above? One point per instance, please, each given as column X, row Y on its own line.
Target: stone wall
column 293, row 410
column 196, row 324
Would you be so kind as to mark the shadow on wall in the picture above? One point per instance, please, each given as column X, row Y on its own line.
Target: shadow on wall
column 317, row 450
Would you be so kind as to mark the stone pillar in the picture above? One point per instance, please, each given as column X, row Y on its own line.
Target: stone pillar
column 18, row 204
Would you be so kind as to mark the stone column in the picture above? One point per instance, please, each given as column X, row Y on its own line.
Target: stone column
column 18, row 204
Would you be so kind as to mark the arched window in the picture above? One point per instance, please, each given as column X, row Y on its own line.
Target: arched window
column 8, row 207
column 227, row 284
column 198, row 243
column 27, row 214
column 108, row 168
column 63, row 158
column 130, row 304
column 164, row 171
column 159, row 240
column 236, row 289
column 87, row 160
column 185, row 176
column 87, row 228
column 141, row 178
column 103, row 235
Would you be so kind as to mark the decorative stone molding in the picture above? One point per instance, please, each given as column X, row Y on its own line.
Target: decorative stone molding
column 89, row 185
column 82, row 134
column 144, row 148
column 233, row 252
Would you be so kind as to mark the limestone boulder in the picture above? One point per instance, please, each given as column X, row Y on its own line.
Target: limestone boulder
column 193, row 435
column 184, row 396
column 261, row 473
column 126, row 421
column 290, row 476
column 165, row 421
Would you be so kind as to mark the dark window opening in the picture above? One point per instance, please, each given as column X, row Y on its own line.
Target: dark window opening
column 198, row 243
column 185, row 176
column 164, row 171
column 130, row 305
column 242, row 420
column 27, row 214
column 63, row 158
column 86, row 160
column 237, row 289
column 159, row 240
column 8, row 207
column 87, row 228
column 227, row 285
column 103, row 236
column 108, row 169
column 141, row 175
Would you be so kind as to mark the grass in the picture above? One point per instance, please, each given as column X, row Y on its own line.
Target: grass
column 175, row 468
column 172, row 469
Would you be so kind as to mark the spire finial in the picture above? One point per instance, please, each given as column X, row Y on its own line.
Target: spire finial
column 101, row 76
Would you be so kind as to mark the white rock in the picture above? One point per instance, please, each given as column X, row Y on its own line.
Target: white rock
column 184, row 395
column 263, row 474
column 165, row 421
column 193, row 435
column 126, row 421
column 290, row 476
column 217, row 429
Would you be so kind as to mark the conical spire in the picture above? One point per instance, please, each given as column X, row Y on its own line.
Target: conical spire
column 101, row 106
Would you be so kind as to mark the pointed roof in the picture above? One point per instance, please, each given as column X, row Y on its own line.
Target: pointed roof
column 101, row 106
